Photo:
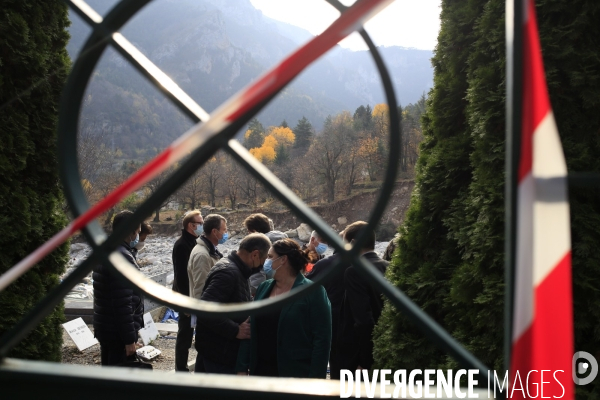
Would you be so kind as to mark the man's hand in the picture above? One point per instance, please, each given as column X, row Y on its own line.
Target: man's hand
column 130, row 349
column 244, row 330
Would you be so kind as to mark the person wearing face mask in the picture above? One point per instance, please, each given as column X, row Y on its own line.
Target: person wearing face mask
column 118, row 309
column 262, row 224
column 316, row 247
column 219, row 339
column 205, row 254
column 293, row 341
column 203, row 257
column 146, row 230
column 193, row 227
column 335, row 292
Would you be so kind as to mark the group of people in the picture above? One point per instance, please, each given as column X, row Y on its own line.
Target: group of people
column 330, row 324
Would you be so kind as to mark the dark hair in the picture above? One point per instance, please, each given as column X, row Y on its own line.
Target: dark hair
column 213, row 221
column 146, row 228
column 296, row 257
column 352, row 231
column 256, row 241
column 120, row 218
column 258, row 223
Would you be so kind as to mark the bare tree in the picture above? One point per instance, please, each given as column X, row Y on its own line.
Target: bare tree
column 191, row 191
column 353, row 168
column 327, row 152
column 233, row 175
column 154, row 185
column 212, row 173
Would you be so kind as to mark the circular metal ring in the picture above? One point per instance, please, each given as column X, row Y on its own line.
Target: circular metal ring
column 103, row 247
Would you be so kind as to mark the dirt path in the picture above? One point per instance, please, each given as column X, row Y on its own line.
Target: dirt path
column 91, row 356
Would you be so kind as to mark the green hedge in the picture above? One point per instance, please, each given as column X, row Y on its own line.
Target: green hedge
column 451, row 254
column 33, row 68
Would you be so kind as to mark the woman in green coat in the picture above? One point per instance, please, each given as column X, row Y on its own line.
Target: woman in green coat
column 295, row 340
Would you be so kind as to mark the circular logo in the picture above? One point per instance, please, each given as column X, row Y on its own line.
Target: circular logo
column 583, row 367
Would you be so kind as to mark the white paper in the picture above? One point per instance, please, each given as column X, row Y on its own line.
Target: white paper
column 149, row 332
column 80, row 333
column 148, row 352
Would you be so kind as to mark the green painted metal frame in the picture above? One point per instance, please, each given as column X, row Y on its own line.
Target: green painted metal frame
column 514, row 83
column 105, row 33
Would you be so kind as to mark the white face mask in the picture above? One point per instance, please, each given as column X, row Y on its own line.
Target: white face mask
column 140, row 245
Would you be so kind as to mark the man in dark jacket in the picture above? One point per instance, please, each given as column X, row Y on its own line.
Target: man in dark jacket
column 219, row 339
column 361, row 306
column 118, row 310
column 334, row 286
column 260, row 223
column 192, row 228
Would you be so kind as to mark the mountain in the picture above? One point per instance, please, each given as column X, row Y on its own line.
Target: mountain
column 212, row 49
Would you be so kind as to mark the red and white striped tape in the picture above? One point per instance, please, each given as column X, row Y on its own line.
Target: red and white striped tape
column 351, row 20
column 543, row 316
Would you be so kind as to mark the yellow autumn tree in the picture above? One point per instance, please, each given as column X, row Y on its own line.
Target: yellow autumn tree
column 263, row 154
column 381, row 120
column 270, row 141
column 380, row 110
column 277, row 136
column 283, row 136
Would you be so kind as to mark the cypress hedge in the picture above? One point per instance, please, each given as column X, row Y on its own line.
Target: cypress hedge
column 450, row 258
column 33, row 67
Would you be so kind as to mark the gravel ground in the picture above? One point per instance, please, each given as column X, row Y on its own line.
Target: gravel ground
column 91, row 356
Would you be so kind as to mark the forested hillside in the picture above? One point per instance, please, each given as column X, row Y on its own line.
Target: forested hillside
column 212, row 50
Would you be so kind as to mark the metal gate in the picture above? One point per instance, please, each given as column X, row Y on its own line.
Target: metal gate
column 29, row 379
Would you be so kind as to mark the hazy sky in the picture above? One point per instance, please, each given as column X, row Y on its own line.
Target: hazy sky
column 407, row 23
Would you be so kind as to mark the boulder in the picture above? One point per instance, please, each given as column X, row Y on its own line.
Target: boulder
column 304, row 232
column 342, row 220
column 292, row 233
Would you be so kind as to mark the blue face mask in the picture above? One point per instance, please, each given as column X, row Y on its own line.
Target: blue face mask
column 321, row 249
column 199, row 230
column 134, row 241
column 224, row 238
column 268, row 267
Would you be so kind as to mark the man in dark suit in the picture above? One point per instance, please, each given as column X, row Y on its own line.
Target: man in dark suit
column 192, row 228
column 361, row 306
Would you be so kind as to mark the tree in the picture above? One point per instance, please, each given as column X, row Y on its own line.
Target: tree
column 233, row 175
column 279, row 138
column 33, row 69
column 412, row 132
column 328, row 151
column 255, row 134
column 427, row 253
column 154, row 185
column 212, row 172
column 191, row 191
column 304, row 133
column 362, row 118
column 451, row 252
column 353, row 168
